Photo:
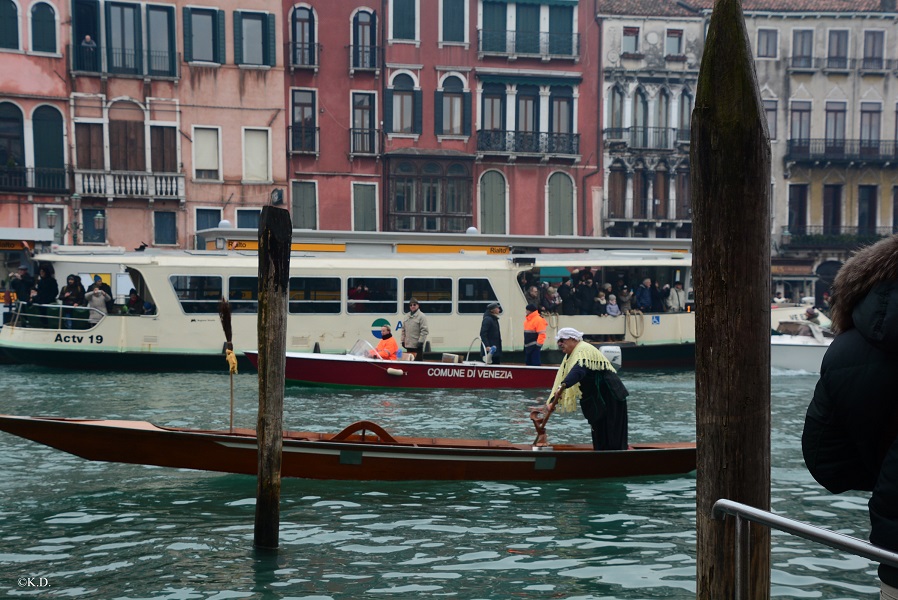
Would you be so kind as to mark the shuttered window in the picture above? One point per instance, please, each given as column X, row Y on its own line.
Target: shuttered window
column 561, row 205
column 248, row 218
column 9, row 25
column 254, row 38
column 165, row 228
column 206, row 162
column 256, row 164
column 127, row 147
column 494, row 27
column 492, row 203
column 527, row 29
column 164, row 149
column 89, row 139
column 561, row 30
column 453, row 20
column 364, row 207
column 304, row 205
column 204, row 35
column 404, row 19
column 43, row 28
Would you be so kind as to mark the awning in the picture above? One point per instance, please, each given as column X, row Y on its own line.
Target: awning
column 11, row 238
column 528, row 80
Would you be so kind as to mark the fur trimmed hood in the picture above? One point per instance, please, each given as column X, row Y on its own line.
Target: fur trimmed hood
column 868, row 268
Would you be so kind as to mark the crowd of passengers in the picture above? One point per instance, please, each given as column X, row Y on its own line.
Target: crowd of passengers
column 35, row 295
column 581, row 294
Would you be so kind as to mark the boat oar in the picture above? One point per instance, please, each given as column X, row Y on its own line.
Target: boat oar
column 224, row 311
column 540, row 416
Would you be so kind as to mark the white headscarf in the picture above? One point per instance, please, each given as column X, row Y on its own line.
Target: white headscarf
column 568, row 333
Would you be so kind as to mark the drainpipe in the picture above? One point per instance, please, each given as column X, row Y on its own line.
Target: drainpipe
column 584, row 190
column 384, row 192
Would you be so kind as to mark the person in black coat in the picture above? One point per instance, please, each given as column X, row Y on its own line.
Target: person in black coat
column 45, row 292
column 850, row 438
column 490, row 334
column 21, row 282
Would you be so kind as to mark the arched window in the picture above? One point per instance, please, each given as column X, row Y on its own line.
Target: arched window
column 364, row 40
column 661, row 191
column 685, row 115
column 43, row 28
column 304, row 48
column 640, row 120
column 616, row 117
column 452, row 108
column 12, row 146
column 492, row 202
column 404, row 106
column 127, row 150
column 662, row 119
column 561, row 204
column 617, row 191
column 49, row 153
column 9, row 25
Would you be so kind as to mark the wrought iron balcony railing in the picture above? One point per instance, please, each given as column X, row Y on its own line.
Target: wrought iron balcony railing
column 303, row 139
column 34, row 179
column 303, row 55
column 525, row 43
column 99, row 60
column 129, row 184
column 363, row 141
column 824, row 236
column 653, row 138
column 875, row 151
column 364, row 58
column 528, row 142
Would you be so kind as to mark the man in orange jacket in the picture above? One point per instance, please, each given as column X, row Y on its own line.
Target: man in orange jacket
column 534, row 335
column 387, row 349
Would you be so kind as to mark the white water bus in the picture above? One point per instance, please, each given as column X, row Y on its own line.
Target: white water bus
column 453, row 276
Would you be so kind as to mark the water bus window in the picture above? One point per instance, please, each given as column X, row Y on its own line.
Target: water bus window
column 474, row 295
column 198, row 293
column 434, row 294
column 372, row 295
column 243, row 294
column 315, row 295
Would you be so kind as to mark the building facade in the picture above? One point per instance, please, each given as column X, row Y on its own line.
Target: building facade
column 826, row 72
column 126, row 123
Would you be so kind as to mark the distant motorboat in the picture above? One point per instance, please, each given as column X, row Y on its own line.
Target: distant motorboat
column 799, row 345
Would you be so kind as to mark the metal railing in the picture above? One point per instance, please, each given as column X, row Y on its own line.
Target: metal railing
column 302, row 139
column 826, row 236
column 54, row 316
column 842, row 150
column 746, row 514
column 528, row 142
column 303, row 55
column 526, row 43
column 113, row 60
column 364, row 58
column 34, row 179
column 841, row 63
column 363, row 140
column 654, row 138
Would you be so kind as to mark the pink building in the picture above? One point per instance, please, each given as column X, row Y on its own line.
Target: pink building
column 439, row 115
column 165, row 130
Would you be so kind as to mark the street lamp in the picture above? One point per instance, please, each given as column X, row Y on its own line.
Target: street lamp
column 76, row 225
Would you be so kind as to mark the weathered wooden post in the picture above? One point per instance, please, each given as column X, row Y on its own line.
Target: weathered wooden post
column 730, row 158
column 275, row 236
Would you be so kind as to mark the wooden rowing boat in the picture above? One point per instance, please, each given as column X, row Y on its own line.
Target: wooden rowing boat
column 362, row 451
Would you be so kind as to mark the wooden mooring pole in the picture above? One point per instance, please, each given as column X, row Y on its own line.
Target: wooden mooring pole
column 730, row 160
column 275, row 237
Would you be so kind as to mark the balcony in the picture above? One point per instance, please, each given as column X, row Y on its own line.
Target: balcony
column 100, row 61
column 531, row 143
column 302, row 139
column 514, row 44
column 363, row 142
column 365, row 59
column 878, row 152
column 871, row 65
column 824, row 237
column 36, row 180
column 646, row 138
column 303, row 55
column 129, row 184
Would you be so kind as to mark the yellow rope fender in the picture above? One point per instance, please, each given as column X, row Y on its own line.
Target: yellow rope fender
column 232, row 361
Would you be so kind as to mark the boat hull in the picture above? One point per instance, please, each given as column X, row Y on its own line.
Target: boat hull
column 797, row 356
column 350, row 371
column 359, row 457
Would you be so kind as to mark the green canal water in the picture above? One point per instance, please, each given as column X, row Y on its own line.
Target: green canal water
column 70, row 528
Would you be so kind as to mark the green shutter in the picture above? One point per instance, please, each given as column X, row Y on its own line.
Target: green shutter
column 492, row 203
column 304, row 205
column 238, row 37
column 271, row 50
column 388, row 111
column 453, row 21
column 43, row 28
column 364, row 207
column 466, row 113
column 187, row 25
column 9, row 25
column 404, row 19
column 438, row 112
column 418, row 109
column 109, row 61
column 561, row 30
column 561, row 205
column 221, row 54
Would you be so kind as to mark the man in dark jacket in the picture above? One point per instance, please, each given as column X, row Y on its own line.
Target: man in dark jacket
column 850, row 439
column 22, row 283
column 490, row 335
